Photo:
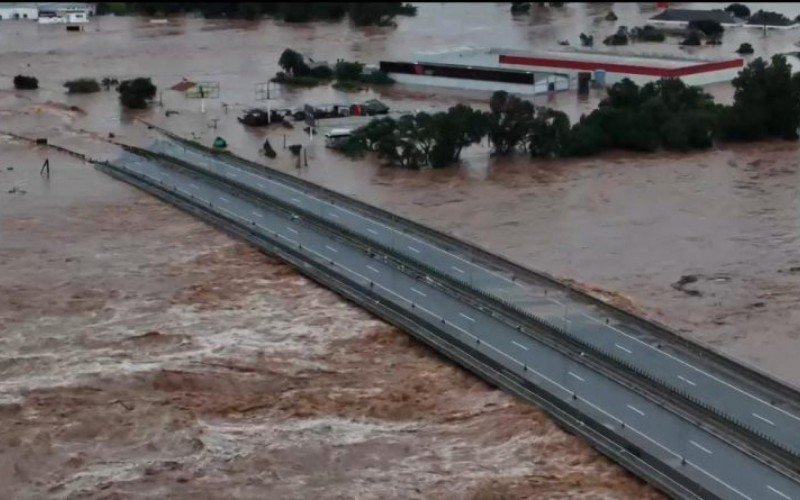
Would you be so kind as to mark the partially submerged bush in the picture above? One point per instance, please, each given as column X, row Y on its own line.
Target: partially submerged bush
column 82, row 86
column 692, row 39
column 376, row 77
column 618, row 38
column 345, row 70
column 136, row 93
column 322, row 72
column 648, row 33
column 22, row 82
column 738, row 10
column 109, row 82
column 520, row 7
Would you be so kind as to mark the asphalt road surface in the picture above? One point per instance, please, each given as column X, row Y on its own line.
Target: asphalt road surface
column 679, row 444
column 626, row 343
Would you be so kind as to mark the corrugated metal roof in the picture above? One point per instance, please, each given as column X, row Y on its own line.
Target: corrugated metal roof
column 688, row 15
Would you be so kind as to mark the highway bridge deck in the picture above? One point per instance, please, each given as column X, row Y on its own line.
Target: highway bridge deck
column 682, row 457
column 731, row 394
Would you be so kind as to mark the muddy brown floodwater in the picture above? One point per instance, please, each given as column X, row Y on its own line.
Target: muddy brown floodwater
column 145, row 354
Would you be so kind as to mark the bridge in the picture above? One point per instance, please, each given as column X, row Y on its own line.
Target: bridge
column 687, row 419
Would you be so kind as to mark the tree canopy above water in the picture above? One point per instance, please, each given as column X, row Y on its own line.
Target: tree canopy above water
column 361, row 14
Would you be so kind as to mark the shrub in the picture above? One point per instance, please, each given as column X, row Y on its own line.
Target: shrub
column 293, row 63
column 135, row 93
column 376, row 77
column 413, row 141
column 648, row 33
column 509, row 121
column 347, row 85
column 766, row 102
column 769, row 18
column 738, row 10
column 322, row 72
column 22, row 82
column 520, row 7
column 586, row 40
column 618, row 38
column 108, row 82
column 745, row 49
column 345, row 70
column 692, row 39
column 303, row 81
column 82, row 86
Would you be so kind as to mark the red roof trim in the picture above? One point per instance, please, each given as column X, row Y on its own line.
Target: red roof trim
column 622, row 68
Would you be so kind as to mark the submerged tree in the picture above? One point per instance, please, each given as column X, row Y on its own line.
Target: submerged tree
column 82, row 86
column 294, row 63
column 508, row 121
column 136, row 93
column 766, row 102
column 22, row 82
column 738, row 10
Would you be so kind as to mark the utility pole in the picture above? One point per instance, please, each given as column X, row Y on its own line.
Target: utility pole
column 45, row 168
column 269, row 105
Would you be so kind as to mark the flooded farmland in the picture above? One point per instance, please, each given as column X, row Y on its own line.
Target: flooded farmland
column 147, row 354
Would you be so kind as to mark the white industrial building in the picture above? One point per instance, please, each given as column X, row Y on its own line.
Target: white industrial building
column 47, row 13
column 608, row 68
column 69, row 13
column 473, row 69
column 19, row 11
column 540, row 72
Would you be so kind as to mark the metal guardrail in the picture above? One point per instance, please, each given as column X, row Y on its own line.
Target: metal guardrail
column 603, row 439
column 698, row 412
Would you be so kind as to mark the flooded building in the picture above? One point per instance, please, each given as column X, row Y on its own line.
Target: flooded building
column 18, row 10
column 541, row 72
column 48, row 13
column 682, row 17
column 69, row 13
column 610, row 68
column 474, row 69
